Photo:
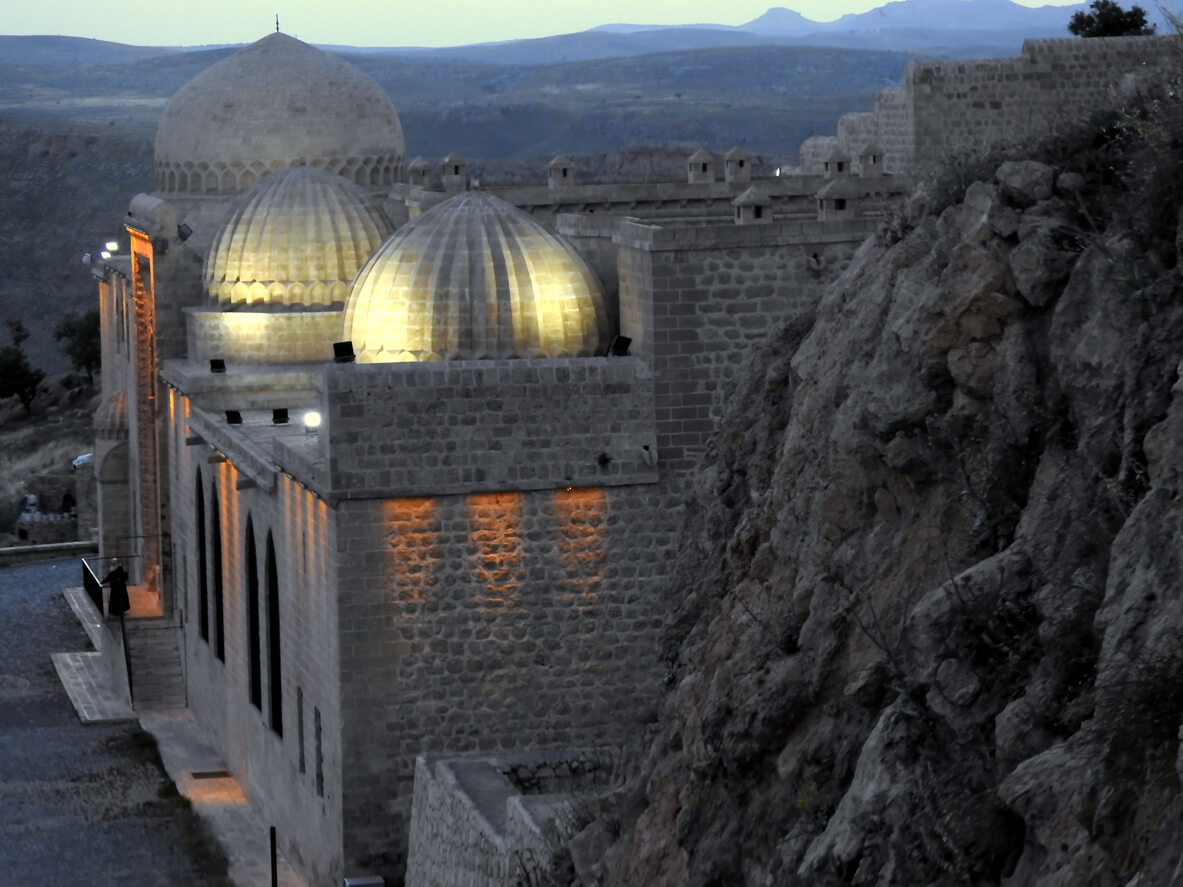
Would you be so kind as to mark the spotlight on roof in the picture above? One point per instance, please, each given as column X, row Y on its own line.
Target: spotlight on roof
column 311, row 421
column 233, row 417
column 217, row 365
column 104, row 254
column 111, row 246
column 279, row 416
column 184, row 232
column 619, row 346
column 343, row 352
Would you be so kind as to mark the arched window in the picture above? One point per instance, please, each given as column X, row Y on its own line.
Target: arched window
column 274, row 676
column 202, row 562
column 219, row 591
column 253, row 626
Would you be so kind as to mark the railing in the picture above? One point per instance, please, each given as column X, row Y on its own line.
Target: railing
column 93, row 587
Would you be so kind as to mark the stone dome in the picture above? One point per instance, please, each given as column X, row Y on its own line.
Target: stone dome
column 298, row 237
column 475, row 278
column 276, row 103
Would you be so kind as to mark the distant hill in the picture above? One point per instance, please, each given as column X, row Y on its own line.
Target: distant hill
column 930, row 15
column 73, row 51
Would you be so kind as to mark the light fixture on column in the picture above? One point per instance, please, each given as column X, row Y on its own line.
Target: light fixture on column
column 343, row 352
column 311, row 421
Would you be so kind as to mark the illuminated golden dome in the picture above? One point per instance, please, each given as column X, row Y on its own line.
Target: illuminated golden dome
column 475, row 278
column 276, row 103
column 296, row 238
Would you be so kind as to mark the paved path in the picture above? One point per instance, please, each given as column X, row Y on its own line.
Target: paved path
column 83, row 798
column 79, row 804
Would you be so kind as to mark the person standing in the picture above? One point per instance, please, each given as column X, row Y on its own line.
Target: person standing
column 118, row 602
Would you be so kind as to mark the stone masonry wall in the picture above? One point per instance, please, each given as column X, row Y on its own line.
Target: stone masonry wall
column 453, row 426
column 474, row 823
column 815, row 151
column 492, row 622
column 295, row 788
column 263, row 336
column 973, row 104
column 948, row 107
column 894, row 129
column 696, row 300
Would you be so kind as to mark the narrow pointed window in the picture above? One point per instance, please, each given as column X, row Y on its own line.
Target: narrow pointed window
column 254, row 627
column 274, row 663
column 202, row 562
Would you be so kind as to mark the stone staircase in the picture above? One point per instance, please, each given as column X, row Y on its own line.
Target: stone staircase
column 158, row 677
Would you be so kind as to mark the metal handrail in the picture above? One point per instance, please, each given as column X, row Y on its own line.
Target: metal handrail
column 92, row 586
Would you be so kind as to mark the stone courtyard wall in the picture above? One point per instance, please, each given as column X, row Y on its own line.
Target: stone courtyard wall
column 475, row 821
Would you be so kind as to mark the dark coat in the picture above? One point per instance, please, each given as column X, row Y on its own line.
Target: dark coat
column 117, row 579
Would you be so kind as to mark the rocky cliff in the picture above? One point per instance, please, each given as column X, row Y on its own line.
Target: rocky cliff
column 927, row 627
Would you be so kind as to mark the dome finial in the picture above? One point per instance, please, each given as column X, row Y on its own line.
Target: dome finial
column 277, row 23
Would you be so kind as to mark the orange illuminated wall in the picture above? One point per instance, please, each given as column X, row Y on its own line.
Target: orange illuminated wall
column 495, row 522
column 580, row 517
column 145, row 462
column 413, row 534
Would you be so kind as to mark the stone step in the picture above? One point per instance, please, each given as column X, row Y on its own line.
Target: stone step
column 158, row 674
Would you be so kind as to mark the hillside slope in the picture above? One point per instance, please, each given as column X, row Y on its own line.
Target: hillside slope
column 67, row 189
column 927, row 628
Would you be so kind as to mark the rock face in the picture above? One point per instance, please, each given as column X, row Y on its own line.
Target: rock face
column 927, row 628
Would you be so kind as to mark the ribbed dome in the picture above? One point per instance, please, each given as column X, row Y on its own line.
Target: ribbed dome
column 475, row 278
column 296, row 238
column 271, row 105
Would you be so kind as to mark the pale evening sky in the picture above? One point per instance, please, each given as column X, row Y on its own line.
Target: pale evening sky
column 385, row 23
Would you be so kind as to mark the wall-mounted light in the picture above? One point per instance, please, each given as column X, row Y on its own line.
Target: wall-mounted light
column 103, row 254
column 111, row 246
column 343, row 352
column 233, row 417
column 311, row 421
column 217, row 365
column 184, row 232
column 279, row 416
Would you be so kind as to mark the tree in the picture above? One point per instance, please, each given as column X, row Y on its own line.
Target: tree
column 80, row 338
column 17, row 377
column 1106, row 19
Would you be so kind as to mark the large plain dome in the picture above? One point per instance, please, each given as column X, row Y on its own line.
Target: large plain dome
column 298, row 237
column 277, row 103
column 475, row 278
